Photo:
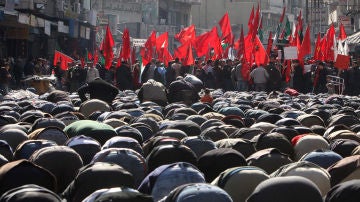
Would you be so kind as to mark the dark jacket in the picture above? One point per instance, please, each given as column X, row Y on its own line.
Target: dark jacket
column 182, row 91
column 124, row 77
column 98, row 89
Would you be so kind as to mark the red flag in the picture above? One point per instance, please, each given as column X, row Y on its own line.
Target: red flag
column 63, row 59
column 300, row 21
column 186, row 34
column 287, row 70
column 225, row 26
column 181, row 51
column 208, row 40
column 215, row 43
column 167, row 57
column 147, row 51
column 330, row 41
column 118, row 62
column 261, row 58
column 256, row 21
column 82, row 61
column 89, row 56
column 269, row 45
column 251, row 20
column 323, row 50
column 189, row 60
column 317, row 47
column 342, row 34
column 125, row 50
column 133, row 55
column 282, row 15
column 96, row 57
column 255, row 51
column 162, row 43
column 305, row 48
column 241, row 44
column 107, row 47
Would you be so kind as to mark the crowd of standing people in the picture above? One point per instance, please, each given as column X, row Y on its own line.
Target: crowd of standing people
column 229, row 75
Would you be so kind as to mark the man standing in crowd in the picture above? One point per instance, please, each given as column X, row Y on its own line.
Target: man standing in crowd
column 354, row 78
column 227, row 82
column 123, row 76
column 274, row 80
column 260, row 77
column 209, row 78
column 320, row 78
column 298, row 76
column 238, row 79
column 5, row 78
column 59, row 73
column 176, row 66
column 91, row 72
column 148, row 72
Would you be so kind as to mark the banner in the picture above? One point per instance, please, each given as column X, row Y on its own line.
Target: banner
column 24, row 18
column 87, row 33
column 290, row 53
column 63, row 28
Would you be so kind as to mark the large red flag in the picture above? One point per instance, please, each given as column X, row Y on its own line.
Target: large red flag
column 323, row 50
column 282, row 15
column 299, row 26
column 167, row 57
column 96, row 57
column 207, row 41
column 215, row 43
column 317, row 48
column 126, row 50
column 147, row 51
column 189, row 60
column 330, row 41
column 305, row 48
column 261, row 58
column 181, row 51
column 227, row 35
column 251, row 21
column 107, row 47
column 90, row 56
column 133, row 55
column 241, row 45
column 186, row 34
column 63, row 59
column 162, row 43
column 342, row 34
column 255, row 51
column 256, row 21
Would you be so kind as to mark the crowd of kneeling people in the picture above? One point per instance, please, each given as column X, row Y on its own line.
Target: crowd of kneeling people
column 201, row 133
column 178, row 143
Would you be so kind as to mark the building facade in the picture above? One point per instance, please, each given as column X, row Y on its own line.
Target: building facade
column 35, row 28
column 209, row 12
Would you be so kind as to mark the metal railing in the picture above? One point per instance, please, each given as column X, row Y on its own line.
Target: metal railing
column 335, row 85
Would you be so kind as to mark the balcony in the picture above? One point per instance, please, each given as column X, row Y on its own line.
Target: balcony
column 172, row 30
column 192, row 2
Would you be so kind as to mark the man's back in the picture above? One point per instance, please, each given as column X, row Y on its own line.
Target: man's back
column 98, row 89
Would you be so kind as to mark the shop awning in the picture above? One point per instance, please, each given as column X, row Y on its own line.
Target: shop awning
column 354, row 39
